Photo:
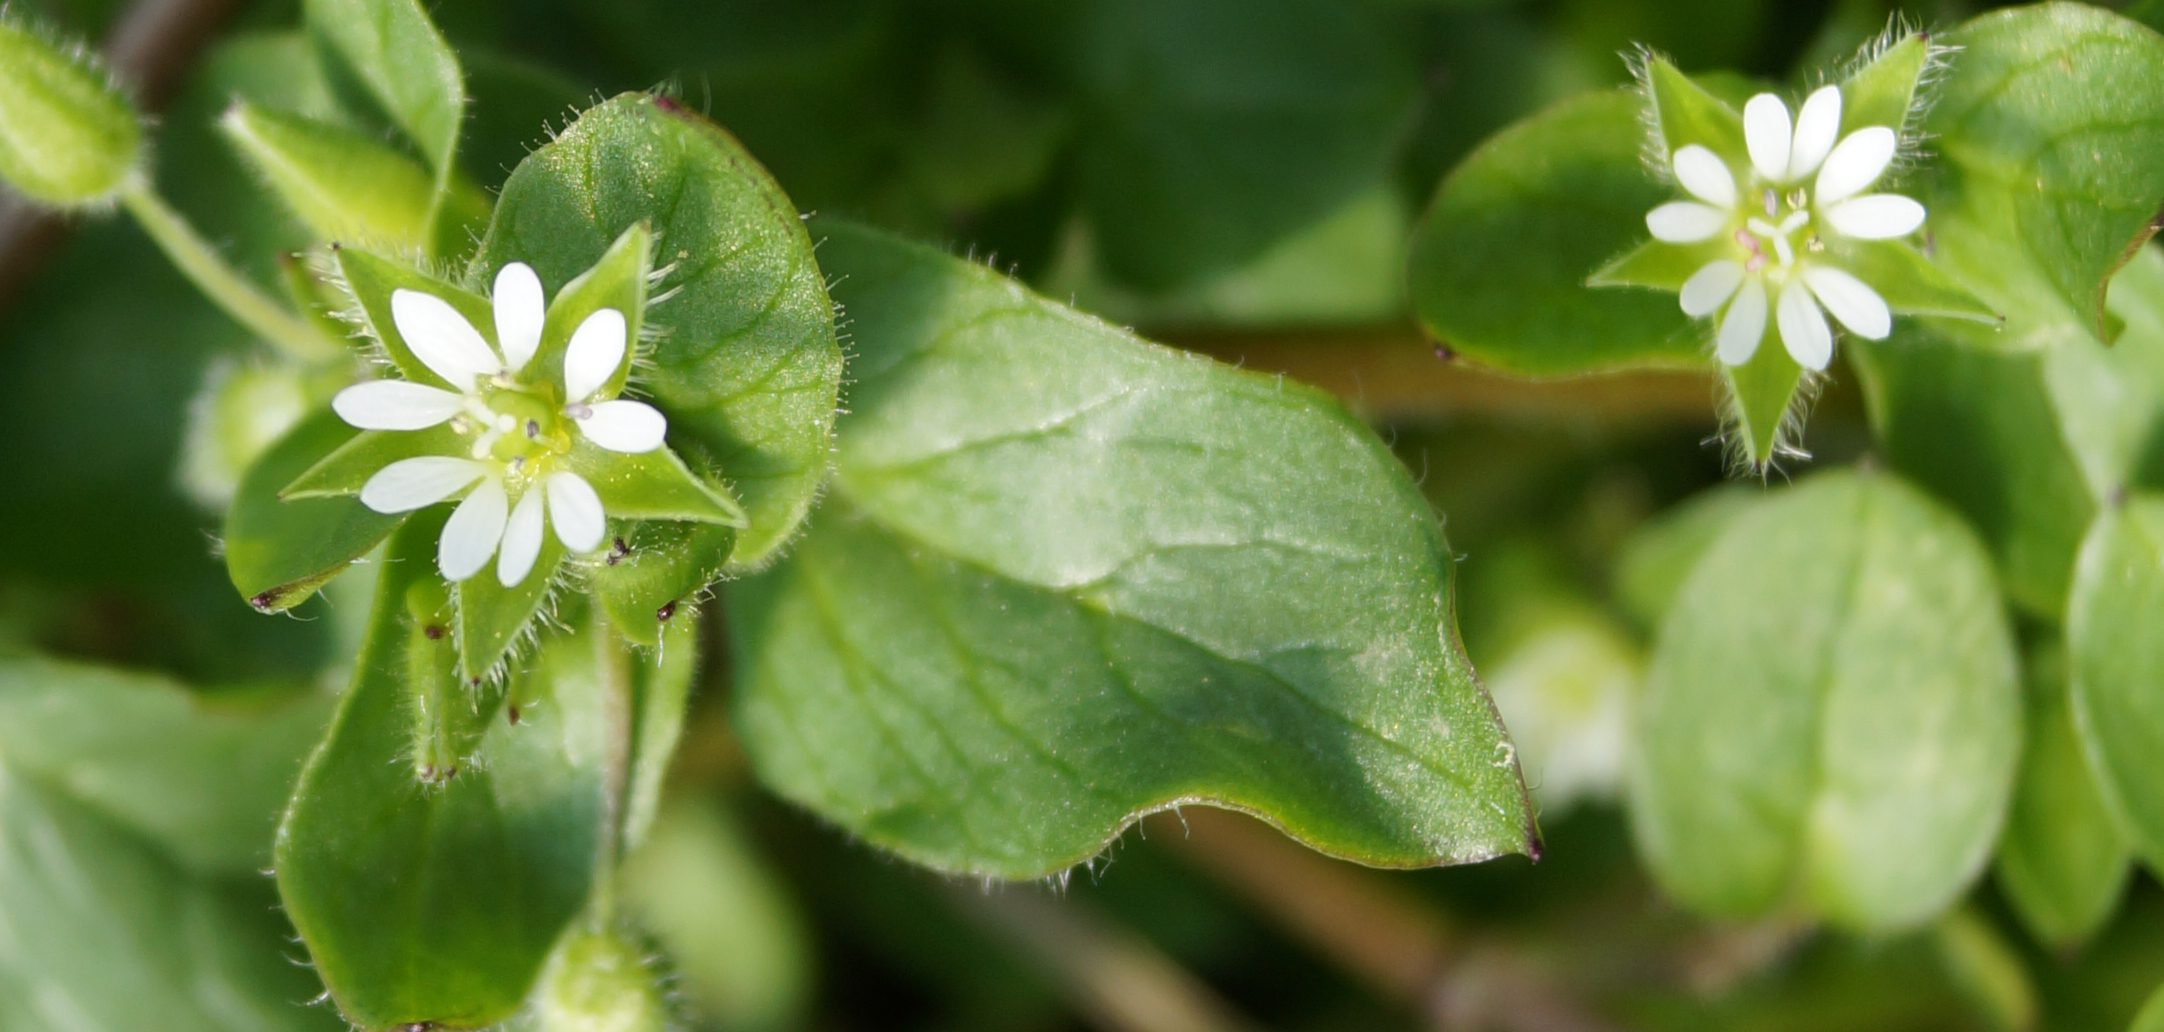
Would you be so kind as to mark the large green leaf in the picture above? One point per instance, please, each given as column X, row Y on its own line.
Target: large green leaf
column 2049, row 135
column 1070, row 578
column 745, row 365
column 1831, row 717
column 2063, row 860
column 1214, row 127
column 432, row 896
column 133, row 816
column 2117, row 660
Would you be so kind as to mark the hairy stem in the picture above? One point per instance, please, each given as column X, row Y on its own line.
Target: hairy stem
column 225, row 286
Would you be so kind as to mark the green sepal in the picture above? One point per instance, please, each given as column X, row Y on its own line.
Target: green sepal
column 491, row 617
column 370, row 281
column 67, row 136
column 658, row 572
column 1760, row 393
column 655, row 485
column 1883, row 90
column 449, row 714
column 1659, row 265
column 1912, row 284
column 279, row 550
column 617, row 280
column 1685, row 112
column 340, row 184
column 348, row 467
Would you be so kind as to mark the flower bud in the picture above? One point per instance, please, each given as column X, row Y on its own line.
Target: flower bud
column 67, row 136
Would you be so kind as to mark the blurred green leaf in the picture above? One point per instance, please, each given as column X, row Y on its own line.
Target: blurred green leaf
column 1002, row 584
column 1831, row 716
column 2116, row 660
column 67, row 135
column 133, row 817
column 1660, row 554
column 2049, row 132
column 439, row 901
column 746, row 365
column 739, row 948
column 395, row 52
column 599, row 981
column 341, row 184
column 2062, row 859
column 1214, row 127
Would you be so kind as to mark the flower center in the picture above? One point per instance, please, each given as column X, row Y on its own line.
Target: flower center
column 519, row 425
column 1770, row 239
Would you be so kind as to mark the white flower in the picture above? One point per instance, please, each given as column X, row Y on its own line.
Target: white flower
column 517, row 423
column 1778, row 222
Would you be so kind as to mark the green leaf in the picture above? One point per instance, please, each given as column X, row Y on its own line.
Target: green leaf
column 1500, row 261
column 341, row 184
column 659, row 574
column 370, row 281
column 279, row 549
column 1831, row 717
column 2062, row 860
column 600, row 980
column 67, row 135
column 2025, row 443
column 745, row 365
column 1658, row 556
column 1686, row 113
column 363, row 454
column 1212, row 128
column 2116, row 659
column 439, row 902
column 2050, row 140
column 1883, row 91
column 1004, row 640
column 133, row 817
column 654, row 485
column 395, row 52
column 660, row 691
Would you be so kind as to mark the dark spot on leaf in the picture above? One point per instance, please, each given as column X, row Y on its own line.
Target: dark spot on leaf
column 665, row 612
column 667, row 103
column 433, row 632
column 2117, row 498
column 511, row 713
column 1444, row 354
column 264, row 602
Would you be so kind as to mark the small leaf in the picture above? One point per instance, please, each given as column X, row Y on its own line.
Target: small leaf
column 2062, row 860
column 1687, row 113
column 341, row 184
column 347, row 468
column 1004, row 639
column 2116, row 660
column 491, row 617
column 279, row 549
column 370, row 281
column 440, row 902
column 1883, row 91
column 393, row 49
column 1499, row 262
column 659, row 575
column 1761, row 394
column 654, row 485
column 1831, row 715
column 1912, row 284
column 746, row 365
column 599, row 980
column 67, row 135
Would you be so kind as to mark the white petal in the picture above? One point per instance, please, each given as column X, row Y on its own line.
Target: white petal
column 470, row 536
column 521, row 539
column 575, row 512
column 1710, row 286
column 1850, row 300
column 395, row 405
column 1685, row 222
column 410, row 484
column 1856, row 163
column 625, row 426
column 519, row 314
column 1803, row 327
column 1744, row 324
column 1767, row 134
column 1703, row 174
column 596, row 350
column 442, row 338
column 1817, row 125
column 1876, row 217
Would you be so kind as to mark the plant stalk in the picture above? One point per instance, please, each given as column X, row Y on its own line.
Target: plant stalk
column 232, row 292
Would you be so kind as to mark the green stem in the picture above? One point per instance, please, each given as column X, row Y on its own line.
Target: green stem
column 224, row 285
